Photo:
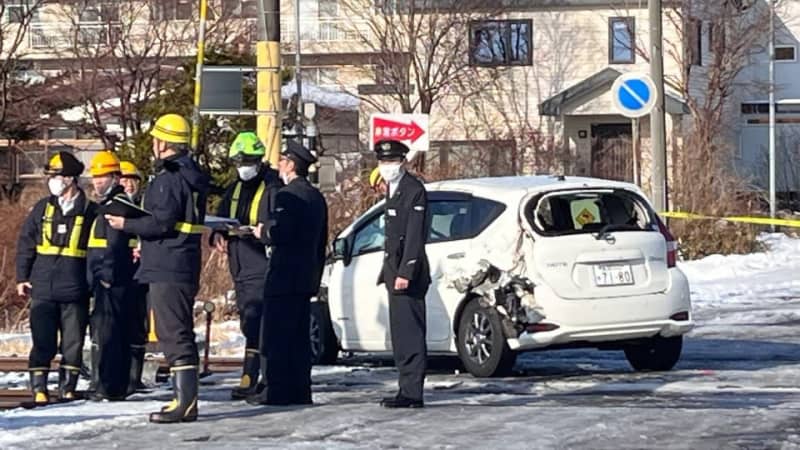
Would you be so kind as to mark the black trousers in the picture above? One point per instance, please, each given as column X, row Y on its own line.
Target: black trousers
column 407, row 321
column 250, row 302
column 48, row 319
column 286, row 345
column 137, row 324
column 111, row 335
column 173, row 305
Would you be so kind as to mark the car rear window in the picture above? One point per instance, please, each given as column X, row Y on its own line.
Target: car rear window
column 589, row 211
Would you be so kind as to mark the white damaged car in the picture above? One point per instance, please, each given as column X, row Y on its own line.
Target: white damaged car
column 519, row 264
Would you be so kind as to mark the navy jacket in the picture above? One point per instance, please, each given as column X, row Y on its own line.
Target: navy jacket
column 407, row 229
column 51, row 250
column 297, row 236
column 246, row 255
column 171, row 237
column 110, row 254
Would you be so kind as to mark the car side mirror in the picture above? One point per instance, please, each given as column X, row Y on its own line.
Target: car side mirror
column 341, row 251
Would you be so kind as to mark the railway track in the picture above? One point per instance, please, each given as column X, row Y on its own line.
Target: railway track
column 215, row 364
column 14, row 398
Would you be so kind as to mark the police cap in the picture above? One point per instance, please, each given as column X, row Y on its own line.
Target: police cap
column 65, row 164
column 301, row 156
column 390, row 150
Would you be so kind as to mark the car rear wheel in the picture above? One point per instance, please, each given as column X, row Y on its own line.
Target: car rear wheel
column 655, row 354
column 481, row 344
column 324, row 346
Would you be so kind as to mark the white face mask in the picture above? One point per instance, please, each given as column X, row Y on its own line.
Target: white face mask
column 391, row 172
column 56, row 186
column 247, row 172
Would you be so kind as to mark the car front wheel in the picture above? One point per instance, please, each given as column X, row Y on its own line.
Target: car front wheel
column 655, row 354
column 324, row 346
column 481, row 344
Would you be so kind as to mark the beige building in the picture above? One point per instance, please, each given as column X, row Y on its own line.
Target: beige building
column 533, row 81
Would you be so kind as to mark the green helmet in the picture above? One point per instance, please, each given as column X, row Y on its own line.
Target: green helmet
column 246, row 146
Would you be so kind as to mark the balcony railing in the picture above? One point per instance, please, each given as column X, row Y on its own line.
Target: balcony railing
column 325, row 30
column 60, row 36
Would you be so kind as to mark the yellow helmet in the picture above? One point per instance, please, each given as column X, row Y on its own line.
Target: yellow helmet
column 172, row 128
column 129, row 170
column 104, row 163
column 375, row 177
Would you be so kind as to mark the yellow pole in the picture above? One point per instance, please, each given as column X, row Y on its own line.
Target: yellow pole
column 198, row 77
column 268, row 80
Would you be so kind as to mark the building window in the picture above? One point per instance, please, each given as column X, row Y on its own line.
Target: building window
column 390, row 7
column 173, row 10
column 757, row 108
column 322, row 76
column 328, row 8
column 501, row 43
column 99, row 12
column 621, row 40
column 785, row 53
column 244, row 9
column 695, row 42
column 17, row 11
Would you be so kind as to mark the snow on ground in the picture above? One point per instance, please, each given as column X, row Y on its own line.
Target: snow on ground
column 736, row 386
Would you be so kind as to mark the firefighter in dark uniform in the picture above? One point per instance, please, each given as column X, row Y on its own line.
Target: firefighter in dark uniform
column 51, row 268
column 111, row 269
column 296, row 236
column 248, row 200
column 171, row 238
column 405, row 271
column 131, row 180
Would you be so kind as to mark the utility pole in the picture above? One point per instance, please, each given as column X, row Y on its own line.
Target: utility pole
column 268, row 79
column 772, row 199
column 297, row 74
column 198, row 75
column 657, row 117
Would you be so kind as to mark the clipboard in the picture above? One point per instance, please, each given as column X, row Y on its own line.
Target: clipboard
column 120, row 206
column 230, row 226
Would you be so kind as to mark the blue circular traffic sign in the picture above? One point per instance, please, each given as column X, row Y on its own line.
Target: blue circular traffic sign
column 634, row 94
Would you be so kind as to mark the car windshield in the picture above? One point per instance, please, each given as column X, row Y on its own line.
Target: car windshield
column 589, row 211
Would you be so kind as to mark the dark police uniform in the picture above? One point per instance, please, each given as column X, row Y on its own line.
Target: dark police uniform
column 110, row 259
column 51, row 255
column 407, row 226
column 297, row 238
column 249, row 202
column 171, row 253
column 137, row 323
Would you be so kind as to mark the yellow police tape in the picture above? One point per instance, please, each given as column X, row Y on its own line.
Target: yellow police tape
column 738, row 219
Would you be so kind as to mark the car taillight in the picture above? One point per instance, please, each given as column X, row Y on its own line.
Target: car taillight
column 672, row 243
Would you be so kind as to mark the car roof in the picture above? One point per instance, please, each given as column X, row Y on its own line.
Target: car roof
column 518, row 185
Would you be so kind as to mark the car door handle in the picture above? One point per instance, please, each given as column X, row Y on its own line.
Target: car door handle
column 458, row 255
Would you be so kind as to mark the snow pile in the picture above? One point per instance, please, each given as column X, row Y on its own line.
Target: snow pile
column 322, row 97
column 762, row 277
column 736, row 295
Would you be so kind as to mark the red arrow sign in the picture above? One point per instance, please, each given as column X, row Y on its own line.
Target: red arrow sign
column 385, row 129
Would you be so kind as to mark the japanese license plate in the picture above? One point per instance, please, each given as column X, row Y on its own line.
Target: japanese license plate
column 613, row 275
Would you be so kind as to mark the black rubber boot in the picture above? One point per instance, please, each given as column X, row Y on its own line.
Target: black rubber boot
column 39, row 387
column 67, row 383
column 137, row 365
column 184, row 407
column 250, row 370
